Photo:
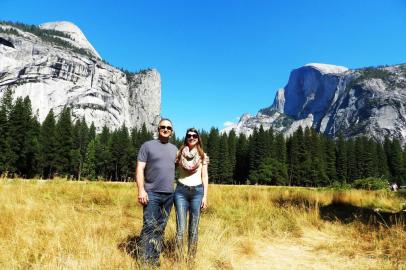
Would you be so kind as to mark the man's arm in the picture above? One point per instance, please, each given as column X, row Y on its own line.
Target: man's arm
column 142, row 194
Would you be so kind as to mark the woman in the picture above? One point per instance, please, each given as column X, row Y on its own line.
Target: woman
column 191, row 190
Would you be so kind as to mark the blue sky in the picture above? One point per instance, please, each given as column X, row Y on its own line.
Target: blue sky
column 219, row 59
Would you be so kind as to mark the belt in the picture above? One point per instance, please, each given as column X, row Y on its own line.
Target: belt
column 188, row 187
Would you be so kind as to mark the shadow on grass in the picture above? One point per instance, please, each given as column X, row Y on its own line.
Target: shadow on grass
column 347, row 213
column 131, row 246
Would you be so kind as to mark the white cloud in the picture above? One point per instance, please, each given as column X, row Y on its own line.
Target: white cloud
column 228, row 123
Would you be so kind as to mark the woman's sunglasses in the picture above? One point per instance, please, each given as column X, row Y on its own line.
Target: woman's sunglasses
column 192, row 136
column 166, row 127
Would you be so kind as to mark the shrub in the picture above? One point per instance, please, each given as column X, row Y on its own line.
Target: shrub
column 371, row 183
column 340, row 186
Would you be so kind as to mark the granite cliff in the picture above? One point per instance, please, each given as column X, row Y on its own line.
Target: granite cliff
column 56, row 66
column 334, row 100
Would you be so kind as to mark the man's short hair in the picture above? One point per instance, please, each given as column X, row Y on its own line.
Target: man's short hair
column 165, row 119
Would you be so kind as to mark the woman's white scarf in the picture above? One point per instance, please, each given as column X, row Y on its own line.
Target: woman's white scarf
column 190, row 159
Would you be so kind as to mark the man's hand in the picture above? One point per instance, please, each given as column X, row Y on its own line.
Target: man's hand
column 143, row 197
column 142, row 194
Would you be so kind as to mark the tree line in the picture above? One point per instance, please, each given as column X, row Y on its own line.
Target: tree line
column 306, row 158
column 62, row 147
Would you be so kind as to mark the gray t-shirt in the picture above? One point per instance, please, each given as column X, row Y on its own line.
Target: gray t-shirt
column 160, row 165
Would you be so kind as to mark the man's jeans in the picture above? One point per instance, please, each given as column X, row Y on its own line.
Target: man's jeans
column 187, row 199
column 156, row 214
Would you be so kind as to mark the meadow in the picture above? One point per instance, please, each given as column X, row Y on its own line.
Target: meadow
column 61, row 224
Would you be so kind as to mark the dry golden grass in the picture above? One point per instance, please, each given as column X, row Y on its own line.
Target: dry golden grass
column 92, row 225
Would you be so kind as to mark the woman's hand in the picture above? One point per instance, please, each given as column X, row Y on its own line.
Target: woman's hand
column 203, row 205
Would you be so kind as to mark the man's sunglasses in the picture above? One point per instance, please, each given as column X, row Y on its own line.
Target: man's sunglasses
column 166, row 127
column 193, row 136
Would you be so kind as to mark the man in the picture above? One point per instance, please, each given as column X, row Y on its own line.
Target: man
column 155, row 176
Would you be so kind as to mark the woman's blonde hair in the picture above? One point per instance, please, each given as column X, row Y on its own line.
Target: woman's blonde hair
column 199, row 145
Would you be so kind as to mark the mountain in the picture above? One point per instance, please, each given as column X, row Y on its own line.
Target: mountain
column 56, row 66
column 335, row 100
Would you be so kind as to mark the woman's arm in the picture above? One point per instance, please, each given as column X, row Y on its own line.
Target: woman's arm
column 205, row 180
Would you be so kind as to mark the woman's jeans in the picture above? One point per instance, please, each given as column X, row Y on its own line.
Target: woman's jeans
column 187, row 200
column 156, row 214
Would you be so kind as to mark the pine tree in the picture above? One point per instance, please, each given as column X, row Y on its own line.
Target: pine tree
column 253, row 152
column 124, row 138
column 92, row 132
column 370, row 159
column 280, row 148
column 292, row 159
column 382, row 167
column 242, row 164
column 232, row 145
column 7, row 101
column 64, row 143
column 359, row 160
column 5, row 144
column 144, row 135
column 89, row 165
column 213, row 144
column 224, row 167
column 204, row 136
column 315, row 168
column 402, row 180
column 271, row 143
column 270, row 172
column 76, row 157
column 309, row 173
column 80, row 134
column 32, row 147
column 21, row 135
column 133, row 152
column 119, row 145
column 297, row 158
column 262, row 146
column 352, row 171
column 103, row 154
column 48, row 146
column 175, row 140
column 16, row 134
column 365, row 154
column 341, row 159
column 395, row 161
column 330, row 159
column 258, row 148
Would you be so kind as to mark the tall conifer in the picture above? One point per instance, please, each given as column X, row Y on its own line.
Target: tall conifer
column 48, row 146
column 341, row 160
column 64, row 143
column 213, row 145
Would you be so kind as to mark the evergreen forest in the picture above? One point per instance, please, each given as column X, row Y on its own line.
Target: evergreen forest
column 65, row 148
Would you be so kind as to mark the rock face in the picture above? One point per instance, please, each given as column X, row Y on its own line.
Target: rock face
column 334, row 100
column 55, row 75
column 76, row 37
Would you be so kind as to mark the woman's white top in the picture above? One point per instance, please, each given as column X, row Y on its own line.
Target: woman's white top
column 195, row 178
